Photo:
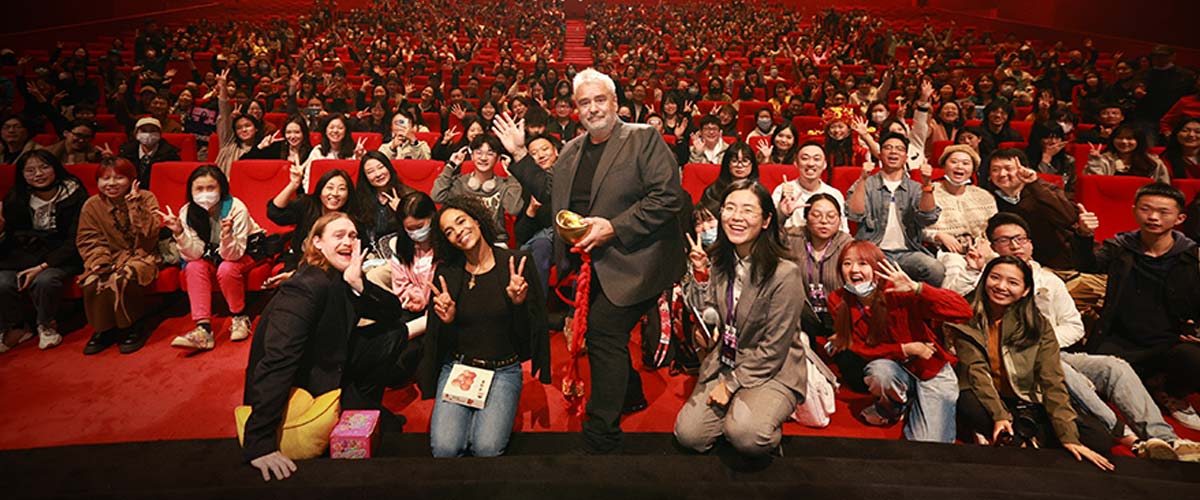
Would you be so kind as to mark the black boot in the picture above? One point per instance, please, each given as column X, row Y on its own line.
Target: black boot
column 133, row 340
column 99, row 342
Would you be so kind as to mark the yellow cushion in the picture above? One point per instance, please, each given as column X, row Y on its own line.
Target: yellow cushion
column 307, row 423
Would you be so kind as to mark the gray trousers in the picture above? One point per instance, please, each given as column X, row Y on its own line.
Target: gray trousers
column 45, row 291
column 752, row 422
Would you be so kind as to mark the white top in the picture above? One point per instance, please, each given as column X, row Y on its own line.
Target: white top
column 893, row 235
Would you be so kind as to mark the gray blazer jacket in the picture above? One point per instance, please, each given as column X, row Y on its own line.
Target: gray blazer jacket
column 768, row 323
column 637, row 188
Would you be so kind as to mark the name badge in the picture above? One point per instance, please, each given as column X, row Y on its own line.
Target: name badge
column 468, row 386
column 817, row 297
column 729, row 346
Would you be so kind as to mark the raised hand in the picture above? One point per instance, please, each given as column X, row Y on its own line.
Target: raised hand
column 170, row 220
column 975, row 257
column 458, row 157
column 1094, row 150
column 106, row 151
column 901, row 283
column 765, row 150
column 134, row 193
column 226, row 228
column 926, row 90
column 868, row 168
column 1027, row 175
column 859, row 125
column 360, row 147
column 517, row 288
column 270, row 139
column 511, row 133
column 696, row 254
column 926, row 173
column 681, row 127
column 1088, row 222
column 443, row 303
column 458, row 111
column 353, row 275
column 391, row 199
column 296, row 175
column 448, row 137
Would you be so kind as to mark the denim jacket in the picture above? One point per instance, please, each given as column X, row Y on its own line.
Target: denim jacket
column 873, row 223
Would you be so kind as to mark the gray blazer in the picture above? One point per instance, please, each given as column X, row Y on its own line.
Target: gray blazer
column 637, row 188
column 768, row 323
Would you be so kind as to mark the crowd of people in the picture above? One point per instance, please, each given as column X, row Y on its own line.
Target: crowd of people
column 971, row 301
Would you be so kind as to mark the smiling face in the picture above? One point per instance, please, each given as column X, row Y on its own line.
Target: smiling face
column 1189, row 135
column 335, row 131
column 334, row 194
column 894, row 153
column 785, row 139
column 460, row 229
column 742, row 219
column 998, row 117
column 293, row 134
column 112, row 184
column 740, row 165
column 1125, row 143
column 543, row 153
column 811, row 162
column 949, row 112
column 1011, row 239
column 376, row 174
column 1004, row 174
column 856, row 269
column 336, row 243
column 839, row 130
column 597, row 107
column 1005, row 285
column 485, row 158
column 38, row 174
column 959, row 167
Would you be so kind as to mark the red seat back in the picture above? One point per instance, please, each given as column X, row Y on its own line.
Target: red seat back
column 844, row 177
column 86, row 172
column 256, row 182
column 1190, row 187
column 697, row 176
column 939, row 147
column 113, row 139
column 8, row 177
column 168, row 182
column 186, row 144
column 771, row 175
column 1110, row 197
column 418, row 174
column 320, row 167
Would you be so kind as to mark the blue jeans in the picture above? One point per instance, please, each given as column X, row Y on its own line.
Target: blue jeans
column 927, row 405
column 455, row 429
column 920, row 266
column 1090, row 376
column 541, row 245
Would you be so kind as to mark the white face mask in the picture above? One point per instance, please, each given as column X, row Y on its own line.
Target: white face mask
column 953, row 182
column 764, row 124
column 879, row 116
column 708, row 236
column 148, row 138
column 862, row 289
column 420, row 235
column 207, row 200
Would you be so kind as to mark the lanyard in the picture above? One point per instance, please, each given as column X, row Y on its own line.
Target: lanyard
column 820, row 262
column 731, row 317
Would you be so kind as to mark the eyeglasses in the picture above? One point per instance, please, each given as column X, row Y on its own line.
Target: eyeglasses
column 1014, row 240
column 824, row 217
column 732, row 210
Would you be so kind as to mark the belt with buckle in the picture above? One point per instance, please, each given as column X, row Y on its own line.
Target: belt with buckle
column 487, row 364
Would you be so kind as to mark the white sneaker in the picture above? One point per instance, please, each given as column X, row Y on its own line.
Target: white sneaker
column 4, row 347
column 1187, row 450
column 1187, row 417
column 239, row 328
column 1155, row 448
column 48, row 337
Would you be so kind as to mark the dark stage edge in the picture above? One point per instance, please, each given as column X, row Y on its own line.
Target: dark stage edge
column 544, row 465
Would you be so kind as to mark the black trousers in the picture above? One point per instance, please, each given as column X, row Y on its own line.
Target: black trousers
column 1176, row 366
column 973, row 417
column 373, row 355
column 613, row 379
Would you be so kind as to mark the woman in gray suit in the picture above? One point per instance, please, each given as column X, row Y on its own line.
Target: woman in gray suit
column 750, row 382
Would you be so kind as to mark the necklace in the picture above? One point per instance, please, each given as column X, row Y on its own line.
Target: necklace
column 480, row 270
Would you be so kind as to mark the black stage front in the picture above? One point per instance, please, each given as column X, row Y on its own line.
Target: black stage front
column 543, row 465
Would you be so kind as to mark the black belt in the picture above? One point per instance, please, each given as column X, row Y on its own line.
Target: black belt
column 487, row 364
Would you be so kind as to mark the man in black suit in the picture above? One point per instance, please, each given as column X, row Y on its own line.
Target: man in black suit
column 623, row 178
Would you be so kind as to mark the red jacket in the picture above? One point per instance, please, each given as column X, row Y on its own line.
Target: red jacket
column 908, row 321
column 1187, row 106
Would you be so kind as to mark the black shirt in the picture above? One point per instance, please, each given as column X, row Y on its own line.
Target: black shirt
column 581, row 189
column 1144, row 318
column 483, row 325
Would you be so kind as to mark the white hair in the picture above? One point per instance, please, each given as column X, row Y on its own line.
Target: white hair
column 590, row 75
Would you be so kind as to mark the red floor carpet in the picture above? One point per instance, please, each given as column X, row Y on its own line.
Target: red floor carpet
column 61, row 397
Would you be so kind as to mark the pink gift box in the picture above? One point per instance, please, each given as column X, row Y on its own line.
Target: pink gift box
column 356, row 434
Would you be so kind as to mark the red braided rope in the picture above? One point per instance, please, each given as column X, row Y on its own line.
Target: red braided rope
column 573, row 387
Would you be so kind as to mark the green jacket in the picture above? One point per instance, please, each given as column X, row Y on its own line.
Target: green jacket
column 1034, row 372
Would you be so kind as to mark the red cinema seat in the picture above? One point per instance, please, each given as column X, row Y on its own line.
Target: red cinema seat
column 939, row 147
column 807, row 124
column 1021, row 127
column 697, row 176
column 186, row 144
column 433, row 120
column 86, row 172
column 1057, row 180
column 373, row 139
column 418, row 174
column 844, row 177
column 214, row 147
column 256, row 182
column 276, row 119
column 1190, row 187
column 320, row 167
column 8, row 176
column 168, row 182
column 1013, row 144
column 46, row 139
column 1110, row 197
column 757, row 142
column 771, row 175
column 113, row 139
column 669, row 139
column 431, row 138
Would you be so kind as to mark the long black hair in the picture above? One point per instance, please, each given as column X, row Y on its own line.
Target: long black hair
column 767, row 249
column 345, row 148
column 197, row 217
column 258, row 130
column 305, row 141
column 782, row 157
column 1025, row 309
column 23, row 189
column 1140, row 163
column 417, row 205
column 316, row 208
column 1174, row 151
column 1045, row 130
column 473, row 207
column 737, row 148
